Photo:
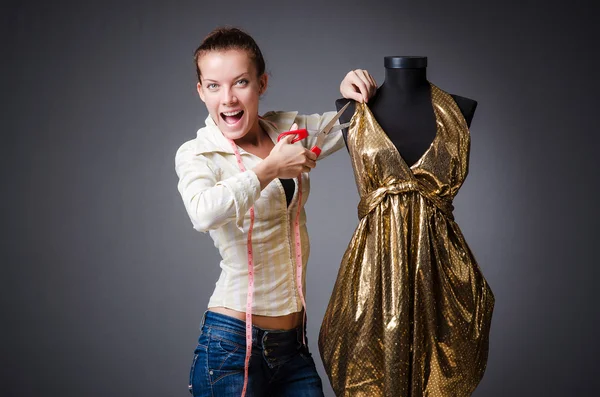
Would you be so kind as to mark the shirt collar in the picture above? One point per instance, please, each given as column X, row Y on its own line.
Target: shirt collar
column 210, row 139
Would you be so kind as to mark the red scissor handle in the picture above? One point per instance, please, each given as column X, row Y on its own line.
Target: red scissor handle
column 300, row 135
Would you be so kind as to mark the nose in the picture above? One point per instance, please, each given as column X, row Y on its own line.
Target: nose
column 229, row 97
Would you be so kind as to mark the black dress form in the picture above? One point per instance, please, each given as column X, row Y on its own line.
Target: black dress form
column 402, row 106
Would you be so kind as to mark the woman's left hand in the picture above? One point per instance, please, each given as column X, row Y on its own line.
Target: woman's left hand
column 358, row 85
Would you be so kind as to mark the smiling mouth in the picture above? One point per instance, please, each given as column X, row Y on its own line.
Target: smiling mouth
column 232, row 118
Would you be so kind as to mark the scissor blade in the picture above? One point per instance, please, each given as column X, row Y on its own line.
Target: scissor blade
column 339, row 127
column 329, row 126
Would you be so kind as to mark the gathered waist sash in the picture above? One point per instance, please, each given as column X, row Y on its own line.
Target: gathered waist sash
column 392, row 186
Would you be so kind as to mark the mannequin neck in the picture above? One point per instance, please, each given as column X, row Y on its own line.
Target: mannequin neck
column 405, row 76
column 405, row 81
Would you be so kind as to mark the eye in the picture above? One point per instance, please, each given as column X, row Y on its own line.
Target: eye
column 212, row 86
column 242, row 82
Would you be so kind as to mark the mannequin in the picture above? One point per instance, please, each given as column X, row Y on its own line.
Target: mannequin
column 410, row 311
column 406, row 92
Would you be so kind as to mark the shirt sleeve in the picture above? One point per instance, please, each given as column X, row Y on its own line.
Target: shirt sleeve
column 210, row 202
column 313, row 123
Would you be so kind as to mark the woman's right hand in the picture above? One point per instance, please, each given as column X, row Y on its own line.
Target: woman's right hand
column 290, row 160
column 286, row 160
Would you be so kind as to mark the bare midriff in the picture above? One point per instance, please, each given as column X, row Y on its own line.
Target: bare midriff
column 288, row 321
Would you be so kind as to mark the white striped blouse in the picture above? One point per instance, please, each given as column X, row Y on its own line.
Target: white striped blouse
column 217, row 197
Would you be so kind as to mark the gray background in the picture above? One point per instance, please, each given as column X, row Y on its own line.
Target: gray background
column 103, row 280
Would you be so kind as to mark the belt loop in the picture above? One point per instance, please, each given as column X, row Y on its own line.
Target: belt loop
column 263, row 339
column 256, row 336
column 203, row 319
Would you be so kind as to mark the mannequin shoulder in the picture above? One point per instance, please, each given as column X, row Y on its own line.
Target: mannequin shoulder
column 467, row 107
column 349, row 112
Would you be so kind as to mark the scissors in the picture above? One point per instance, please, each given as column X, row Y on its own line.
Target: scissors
column 303, row 133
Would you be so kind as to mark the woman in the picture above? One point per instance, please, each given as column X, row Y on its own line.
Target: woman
column 248, row 191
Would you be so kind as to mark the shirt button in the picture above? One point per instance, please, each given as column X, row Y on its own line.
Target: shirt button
column 210, row 372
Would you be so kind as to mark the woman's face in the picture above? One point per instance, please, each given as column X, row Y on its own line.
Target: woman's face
column 230, row 89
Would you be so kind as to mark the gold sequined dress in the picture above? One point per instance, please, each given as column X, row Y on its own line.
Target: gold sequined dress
column 410, row 311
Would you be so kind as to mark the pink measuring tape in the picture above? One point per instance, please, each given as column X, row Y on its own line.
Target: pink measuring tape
column 250, row 295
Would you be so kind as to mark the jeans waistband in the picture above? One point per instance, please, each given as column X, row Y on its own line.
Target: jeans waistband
column 259, row 335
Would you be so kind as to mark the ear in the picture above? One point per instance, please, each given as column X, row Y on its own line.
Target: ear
column 200, row 92
column 262, row 83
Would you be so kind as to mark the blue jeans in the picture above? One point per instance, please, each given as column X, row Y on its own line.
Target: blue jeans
column 280, row 365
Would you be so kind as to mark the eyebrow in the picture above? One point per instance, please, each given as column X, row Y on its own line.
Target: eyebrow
column 235, row 78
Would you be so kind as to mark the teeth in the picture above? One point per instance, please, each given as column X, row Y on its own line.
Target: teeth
column 232, row 113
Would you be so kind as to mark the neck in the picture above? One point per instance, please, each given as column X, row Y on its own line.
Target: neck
column 406, row 80
column 405, row 83
column 255, row 137
column 404, row 75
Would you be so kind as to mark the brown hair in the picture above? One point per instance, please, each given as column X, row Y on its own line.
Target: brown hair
column 228, row 38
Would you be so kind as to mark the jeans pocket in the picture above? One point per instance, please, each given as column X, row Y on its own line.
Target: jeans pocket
column 225, row 358
column 199, row 353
